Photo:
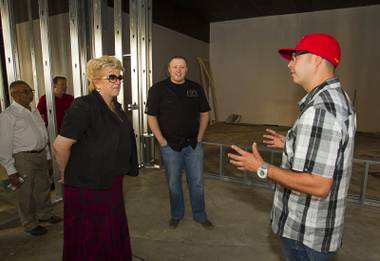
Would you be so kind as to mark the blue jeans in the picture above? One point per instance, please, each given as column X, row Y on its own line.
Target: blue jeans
column 296, row 251
column 192, row 161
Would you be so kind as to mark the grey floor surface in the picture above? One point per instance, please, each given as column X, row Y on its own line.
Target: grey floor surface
column 240, row 214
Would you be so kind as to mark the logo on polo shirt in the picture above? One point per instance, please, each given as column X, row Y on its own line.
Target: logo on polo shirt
column 192, row 93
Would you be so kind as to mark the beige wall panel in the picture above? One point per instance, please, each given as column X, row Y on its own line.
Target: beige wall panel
column 252, row 80
column 167, row 43
column 59, row 47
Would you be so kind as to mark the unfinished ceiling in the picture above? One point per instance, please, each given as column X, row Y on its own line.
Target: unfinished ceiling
column 193, row 17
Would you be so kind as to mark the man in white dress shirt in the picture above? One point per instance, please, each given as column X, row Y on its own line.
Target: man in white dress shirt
column 24, row 153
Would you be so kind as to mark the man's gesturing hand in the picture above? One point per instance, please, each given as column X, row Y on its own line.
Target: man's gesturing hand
column 244, row 160
column 274, row 139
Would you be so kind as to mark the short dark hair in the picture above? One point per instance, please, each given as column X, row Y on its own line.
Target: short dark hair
column 57, row 78
column 330, row 66
column 177, row 57
column 14, row 84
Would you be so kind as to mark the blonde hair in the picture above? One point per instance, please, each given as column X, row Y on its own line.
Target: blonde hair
column 96, row 66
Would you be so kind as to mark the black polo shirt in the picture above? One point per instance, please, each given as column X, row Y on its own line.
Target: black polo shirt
column 177, row 108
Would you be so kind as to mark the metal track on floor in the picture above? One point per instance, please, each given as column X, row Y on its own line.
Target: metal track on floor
column 248, row 179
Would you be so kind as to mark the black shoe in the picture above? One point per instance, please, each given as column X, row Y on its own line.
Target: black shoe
column 52, row 220
column 37, row 231
column 207, row 224
column 173, row 223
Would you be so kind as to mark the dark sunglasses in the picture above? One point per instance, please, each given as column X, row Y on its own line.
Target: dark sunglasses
column 298, row 53
column 112, row 78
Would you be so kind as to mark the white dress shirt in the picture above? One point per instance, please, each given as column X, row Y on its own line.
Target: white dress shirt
column 20, row 130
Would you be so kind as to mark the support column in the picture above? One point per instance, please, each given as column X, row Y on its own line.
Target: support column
column 96, row 30
column 141, row 76
column 32, row 52
column 83, row 25
column 10, row 46
column 118, row 19
column 2, row 91
column 50, row 100
column 74, row 42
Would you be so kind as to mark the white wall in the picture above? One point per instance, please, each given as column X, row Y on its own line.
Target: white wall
column 252, row 80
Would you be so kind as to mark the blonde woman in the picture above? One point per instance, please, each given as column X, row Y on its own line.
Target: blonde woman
column 95, row 149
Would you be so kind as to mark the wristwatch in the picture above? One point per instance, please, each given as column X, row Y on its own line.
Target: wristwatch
column 262, row 171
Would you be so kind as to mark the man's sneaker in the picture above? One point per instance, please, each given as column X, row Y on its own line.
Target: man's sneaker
column 173, row 223
column 207, row 224
column 37, row 231
column 52, row 220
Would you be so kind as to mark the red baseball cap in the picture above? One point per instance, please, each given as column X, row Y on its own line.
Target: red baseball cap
column 323, row 45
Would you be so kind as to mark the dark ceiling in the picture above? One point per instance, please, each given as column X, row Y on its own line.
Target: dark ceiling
column 193, row 17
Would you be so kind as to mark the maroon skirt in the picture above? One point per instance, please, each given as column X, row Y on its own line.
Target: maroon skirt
column 95, row 224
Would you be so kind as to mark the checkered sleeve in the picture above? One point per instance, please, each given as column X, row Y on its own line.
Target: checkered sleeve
column 317, row 144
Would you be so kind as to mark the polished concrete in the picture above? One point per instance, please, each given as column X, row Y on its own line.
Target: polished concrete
column 240, row 214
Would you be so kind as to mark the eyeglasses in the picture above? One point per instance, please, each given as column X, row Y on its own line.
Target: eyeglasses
column 112, row 78
column 296, row 54
column 26, row 91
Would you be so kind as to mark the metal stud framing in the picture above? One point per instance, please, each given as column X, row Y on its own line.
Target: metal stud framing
column 149, row 159
column 46, row 58
column 10, row 46
column 32, row 51
column 83, row 44
column 97, row 46
column 141, row 75
column 142, row 49
column 74, row 41
column 148, row 136
column 134, row 75
column 2, row 90
column 118, row 19
column 141, row 57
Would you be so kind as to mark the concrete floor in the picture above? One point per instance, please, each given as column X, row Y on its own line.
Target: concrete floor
column 240, row 214
column 241, row 218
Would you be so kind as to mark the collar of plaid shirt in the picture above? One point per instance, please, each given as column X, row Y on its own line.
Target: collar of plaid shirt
column 309, row 97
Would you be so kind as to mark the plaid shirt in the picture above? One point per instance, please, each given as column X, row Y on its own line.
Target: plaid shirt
column 320, row 142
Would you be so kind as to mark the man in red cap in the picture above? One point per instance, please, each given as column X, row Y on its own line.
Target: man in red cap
column 312, row 182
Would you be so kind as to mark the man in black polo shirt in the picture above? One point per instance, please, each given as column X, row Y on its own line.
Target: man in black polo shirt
column 178, row 117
